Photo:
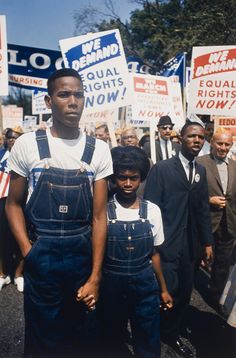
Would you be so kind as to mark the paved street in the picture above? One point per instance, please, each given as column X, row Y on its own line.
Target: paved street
column 210, row 335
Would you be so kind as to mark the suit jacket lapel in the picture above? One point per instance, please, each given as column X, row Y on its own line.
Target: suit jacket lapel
column 158, row 151
column 180, row 170
column 230, row 177
column 215, row 171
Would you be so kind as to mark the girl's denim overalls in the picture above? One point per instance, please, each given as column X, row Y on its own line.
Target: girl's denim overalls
column 130, row 289
column 59, row 213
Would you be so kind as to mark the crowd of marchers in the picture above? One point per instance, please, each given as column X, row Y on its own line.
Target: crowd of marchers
column 105, row 244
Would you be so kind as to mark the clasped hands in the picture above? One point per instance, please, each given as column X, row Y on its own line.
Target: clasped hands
column 88, row 294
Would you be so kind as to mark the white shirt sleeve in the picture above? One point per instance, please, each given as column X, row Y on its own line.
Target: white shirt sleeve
column 17, row 159
column 103, row 156
column 155, row 218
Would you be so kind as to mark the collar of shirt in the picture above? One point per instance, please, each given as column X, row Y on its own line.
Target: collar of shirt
column 169, row 147
column 220, row 161
column 185, row 164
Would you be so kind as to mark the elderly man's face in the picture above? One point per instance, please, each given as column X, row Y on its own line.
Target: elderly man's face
column 129, row 137
column 221, row 144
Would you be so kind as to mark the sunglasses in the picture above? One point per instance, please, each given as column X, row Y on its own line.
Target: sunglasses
column 166, row 127
column 11, row 137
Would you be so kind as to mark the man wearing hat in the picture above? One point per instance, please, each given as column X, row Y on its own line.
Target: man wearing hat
column 165, row 148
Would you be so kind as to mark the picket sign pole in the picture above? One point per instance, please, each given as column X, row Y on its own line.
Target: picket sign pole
column 1, row 116
column 153, row 141
column 122, row 117
column 111, row 130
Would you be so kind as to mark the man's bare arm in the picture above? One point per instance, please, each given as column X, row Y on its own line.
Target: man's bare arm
column 99, row 230
column 14, row 211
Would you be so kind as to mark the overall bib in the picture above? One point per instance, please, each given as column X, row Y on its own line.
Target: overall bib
column 130, row 289
column 59, row 215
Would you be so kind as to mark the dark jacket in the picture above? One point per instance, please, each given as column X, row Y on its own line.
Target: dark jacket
column 175, row 149
column 184, row 207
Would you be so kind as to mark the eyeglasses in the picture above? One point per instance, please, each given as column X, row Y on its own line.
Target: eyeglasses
column 129, row 137
column 11, row 137
column 166, row 127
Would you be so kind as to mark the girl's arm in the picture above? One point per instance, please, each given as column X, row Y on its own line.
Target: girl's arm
column 165, row 296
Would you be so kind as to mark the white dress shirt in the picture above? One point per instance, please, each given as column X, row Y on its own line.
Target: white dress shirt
column 185, row 163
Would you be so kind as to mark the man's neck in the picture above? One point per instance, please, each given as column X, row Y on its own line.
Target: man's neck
column 64, row 132
column 188, row 156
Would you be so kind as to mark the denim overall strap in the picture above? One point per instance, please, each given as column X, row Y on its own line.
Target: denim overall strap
column 61, row 203
column 42, row 142
column 143, row 209
column 89, row 149
column 129, row 243
column 111, row 210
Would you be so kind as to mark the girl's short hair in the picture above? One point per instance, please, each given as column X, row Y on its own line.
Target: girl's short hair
column 130, row 158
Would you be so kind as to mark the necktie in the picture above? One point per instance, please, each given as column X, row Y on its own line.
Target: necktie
column 166, row 149
column 190, row 178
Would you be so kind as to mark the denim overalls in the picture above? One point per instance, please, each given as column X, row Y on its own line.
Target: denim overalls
column 129, row 288
column 59, row 215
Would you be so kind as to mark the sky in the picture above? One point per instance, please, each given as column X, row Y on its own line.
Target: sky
column 42, row 23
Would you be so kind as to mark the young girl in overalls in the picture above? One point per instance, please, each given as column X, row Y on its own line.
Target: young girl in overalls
column 132, row 275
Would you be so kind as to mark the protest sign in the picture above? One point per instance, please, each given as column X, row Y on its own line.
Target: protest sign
column 152, row 99
column 38, row 103
column 212, row 88
column 227, row 123
column 110, row 117
column 136, row 65
column 100, row 60
column 30, row 67
column 177, row 114
column 3, row 57
column 99, row 116
column 12, row 116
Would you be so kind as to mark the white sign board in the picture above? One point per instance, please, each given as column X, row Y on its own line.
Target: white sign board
column 153, row 99
column 177, row 103
column 100, row 60
column 3, row 57
column 212, row 88
column 100, row 116
column 12, row 116
column 38, row 103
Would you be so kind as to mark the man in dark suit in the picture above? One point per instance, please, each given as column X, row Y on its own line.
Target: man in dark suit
column 179, row 187
column 165, row 148
column 221, row 178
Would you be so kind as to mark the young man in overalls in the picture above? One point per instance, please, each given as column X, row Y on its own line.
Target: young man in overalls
column 61, row 231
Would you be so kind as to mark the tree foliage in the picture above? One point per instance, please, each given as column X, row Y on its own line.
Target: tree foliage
column 158, row 30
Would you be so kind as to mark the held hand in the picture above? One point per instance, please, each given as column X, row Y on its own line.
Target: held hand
column 88, row 294
column 167, row 300
column 208, row 256
column 218, row 201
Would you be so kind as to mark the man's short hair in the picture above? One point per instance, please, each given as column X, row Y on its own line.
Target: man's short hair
column 63, row 72
column 102, row 125
column 188, row 124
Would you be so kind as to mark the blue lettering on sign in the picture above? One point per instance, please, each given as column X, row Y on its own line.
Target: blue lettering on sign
column 93, row 52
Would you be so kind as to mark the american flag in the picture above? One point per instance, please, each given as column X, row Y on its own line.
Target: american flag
column 4, row 184
column 175, row 67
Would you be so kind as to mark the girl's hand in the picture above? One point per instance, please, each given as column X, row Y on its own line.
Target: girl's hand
column 167, row 300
